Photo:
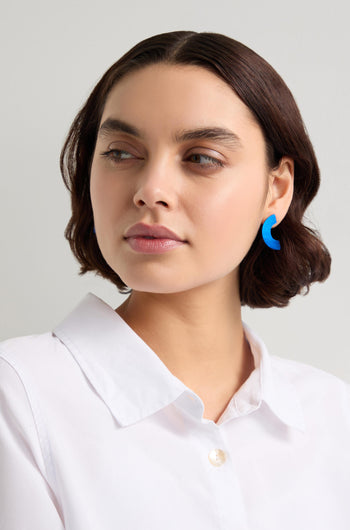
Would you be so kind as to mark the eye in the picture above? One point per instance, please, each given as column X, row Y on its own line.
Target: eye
column 119, row 155
column 116, row 155
column 213, row 161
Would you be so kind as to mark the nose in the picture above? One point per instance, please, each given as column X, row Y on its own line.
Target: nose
column 156, row 186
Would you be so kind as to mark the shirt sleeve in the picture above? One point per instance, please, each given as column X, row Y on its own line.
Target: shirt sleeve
column 26, row 499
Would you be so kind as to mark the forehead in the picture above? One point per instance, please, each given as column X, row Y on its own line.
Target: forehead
column 163, row 92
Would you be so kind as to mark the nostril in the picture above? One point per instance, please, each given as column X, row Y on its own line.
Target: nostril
column 143, row 203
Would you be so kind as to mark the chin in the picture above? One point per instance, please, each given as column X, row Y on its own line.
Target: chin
column 155, row 288
column 155, row 285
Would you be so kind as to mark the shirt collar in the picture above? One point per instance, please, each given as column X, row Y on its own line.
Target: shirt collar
column 134, row 383
column 269, row 383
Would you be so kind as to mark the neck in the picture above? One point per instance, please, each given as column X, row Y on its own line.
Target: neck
column 198, row 334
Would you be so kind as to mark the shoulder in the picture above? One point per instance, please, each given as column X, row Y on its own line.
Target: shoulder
column 313, row 386
column 26, row 343
column 38, row 374
column 28, row 347
column 306, row 375
column 322, row 394
column 33, row 357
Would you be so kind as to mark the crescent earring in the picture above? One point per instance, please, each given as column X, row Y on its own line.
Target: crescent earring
column 266, row 233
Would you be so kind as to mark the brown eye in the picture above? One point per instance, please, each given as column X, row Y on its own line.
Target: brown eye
column 213, row 161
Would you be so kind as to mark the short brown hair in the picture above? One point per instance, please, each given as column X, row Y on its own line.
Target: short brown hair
column 267, row 278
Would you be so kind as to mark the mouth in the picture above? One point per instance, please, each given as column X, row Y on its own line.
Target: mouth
column 153, row 245
column 145, row 231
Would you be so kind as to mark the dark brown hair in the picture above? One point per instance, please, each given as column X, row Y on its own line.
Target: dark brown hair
column 267, row 277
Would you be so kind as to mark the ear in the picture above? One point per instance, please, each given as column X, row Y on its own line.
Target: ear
column 281, row 187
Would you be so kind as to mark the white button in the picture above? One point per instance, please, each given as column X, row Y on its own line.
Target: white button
column 217, row 457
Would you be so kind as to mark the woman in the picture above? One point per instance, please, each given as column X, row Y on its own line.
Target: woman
column 168, row 412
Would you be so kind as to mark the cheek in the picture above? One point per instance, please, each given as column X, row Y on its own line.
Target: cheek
column 235, row 212
column 107, row 197
column 96, row 187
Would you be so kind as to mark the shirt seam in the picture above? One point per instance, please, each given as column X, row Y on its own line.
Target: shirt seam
column 42, row 435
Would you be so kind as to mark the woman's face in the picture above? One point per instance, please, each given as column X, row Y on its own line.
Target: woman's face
column 210, row 190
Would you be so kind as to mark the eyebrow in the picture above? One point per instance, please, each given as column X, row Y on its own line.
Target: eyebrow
column 219, row 134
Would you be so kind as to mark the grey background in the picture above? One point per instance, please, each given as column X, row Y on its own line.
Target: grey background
column 53, row 53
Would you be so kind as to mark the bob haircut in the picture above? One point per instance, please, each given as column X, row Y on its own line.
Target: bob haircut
column 267, row 278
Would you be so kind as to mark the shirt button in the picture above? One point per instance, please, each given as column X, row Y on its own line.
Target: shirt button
column 217, row 457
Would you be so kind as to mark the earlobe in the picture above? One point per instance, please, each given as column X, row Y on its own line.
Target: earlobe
column 281, row 189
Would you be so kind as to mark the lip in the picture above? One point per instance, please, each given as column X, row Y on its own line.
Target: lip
column 152, row 246
column 156, row 231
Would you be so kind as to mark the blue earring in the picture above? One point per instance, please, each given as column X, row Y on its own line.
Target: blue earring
column 266, row 233
column 94, row 231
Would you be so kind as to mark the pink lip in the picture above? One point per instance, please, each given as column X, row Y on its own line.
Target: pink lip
column 156, row 231
column 152, row 246
column 138, row 238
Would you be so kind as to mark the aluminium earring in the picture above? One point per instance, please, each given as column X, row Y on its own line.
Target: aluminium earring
column 266, row 233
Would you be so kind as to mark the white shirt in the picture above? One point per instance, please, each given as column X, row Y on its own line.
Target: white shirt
column 97, row 434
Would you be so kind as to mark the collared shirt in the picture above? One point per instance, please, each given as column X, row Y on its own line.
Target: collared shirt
column 97, row 434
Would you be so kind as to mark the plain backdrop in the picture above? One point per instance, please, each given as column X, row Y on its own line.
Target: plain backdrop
column 52, row 55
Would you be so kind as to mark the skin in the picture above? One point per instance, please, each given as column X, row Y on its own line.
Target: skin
column 190, row 292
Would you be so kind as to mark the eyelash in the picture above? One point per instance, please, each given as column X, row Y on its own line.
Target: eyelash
column 110, row 155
